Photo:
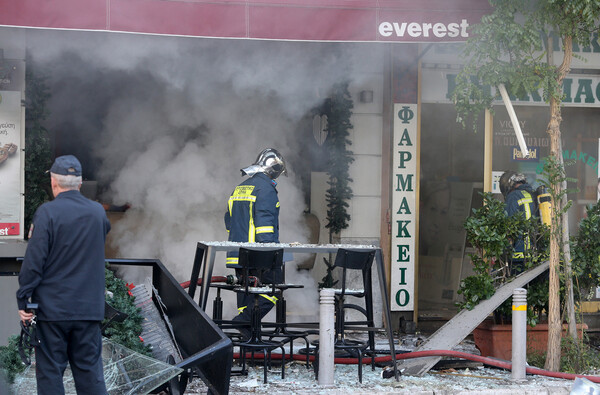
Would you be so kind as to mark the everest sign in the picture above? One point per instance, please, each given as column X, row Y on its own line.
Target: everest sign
column 426, row 30
column 305, row 20
column 404, row 206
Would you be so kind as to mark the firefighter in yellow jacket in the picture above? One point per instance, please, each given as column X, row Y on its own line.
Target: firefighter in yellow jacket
column 519, row 199
column 253, row 216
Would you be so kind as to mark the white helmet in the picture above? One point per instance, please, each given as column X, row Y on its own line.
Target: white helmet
column 269, row 162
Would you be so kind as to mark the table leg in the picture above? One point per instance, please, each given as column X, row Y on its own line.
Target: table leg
column 386, row 308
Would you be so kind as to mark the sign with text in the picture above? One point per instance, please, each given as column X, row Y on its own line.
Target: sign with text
column 9, row 229
column 309, row 20
column 404, row 206
column 11, row 171
column 517, row 154
column 580, row 90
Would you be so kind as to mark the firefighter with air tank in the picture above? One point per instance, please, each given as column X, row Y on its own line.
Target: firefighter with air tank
column 519, row 197
column 253, row 216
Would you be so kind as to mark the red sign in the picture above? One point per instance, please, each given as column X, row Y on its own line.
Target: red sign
column 318, row 20
column 9, row 229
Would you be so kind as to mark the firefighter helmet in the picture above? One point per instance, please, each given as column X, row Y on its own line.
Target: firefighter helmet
column 270, row 162
column 509, row 180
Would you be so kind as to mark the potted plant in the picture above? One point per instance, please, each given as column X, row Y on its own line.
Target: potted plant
column 490, row 232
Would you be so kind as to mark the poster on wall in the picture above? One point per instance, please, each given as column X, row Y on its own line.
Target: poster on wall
column 404, row 206
column 496, row 181
column 11, row 172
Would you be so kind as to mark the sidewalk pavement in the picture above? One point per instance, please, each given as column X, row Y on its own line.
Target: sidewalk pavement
column 476, row 379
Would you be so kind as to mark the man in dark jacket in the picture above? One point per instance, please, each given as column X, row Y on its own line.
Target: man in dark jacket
column 519, row 198
column 63, row 273
column 253, row 216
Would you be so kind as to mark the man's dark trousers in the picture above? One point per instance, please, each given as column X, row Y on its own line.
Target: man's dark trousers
column 76, row 342
column 264, row 305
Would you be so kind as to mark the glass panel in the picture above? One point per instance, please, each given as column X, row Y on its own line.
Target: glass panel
column 126, row 372
column 451, row 177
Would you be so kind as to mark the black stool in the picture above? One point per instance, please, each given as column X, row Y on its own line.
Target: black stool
column 360, row 261
column 257, row 263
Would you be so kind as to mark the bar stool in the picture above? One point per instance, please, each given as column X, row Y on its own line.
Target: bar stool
column 281, row 326
column 360, row 261
column 258, row 263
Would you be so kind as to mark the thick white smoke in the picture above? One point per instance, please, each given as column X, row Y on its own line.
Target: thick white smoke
column 170, row 121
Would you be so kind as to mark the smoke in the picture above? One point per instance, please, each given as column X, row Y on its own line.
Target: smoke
column 166, row 124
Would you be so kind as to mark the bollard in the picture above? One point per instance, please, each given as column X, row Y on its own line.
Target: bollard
column 326, row 337
column 519, row 334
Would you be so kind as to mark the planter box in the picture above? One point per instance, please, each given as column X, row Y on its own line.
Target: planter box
column 496, row 340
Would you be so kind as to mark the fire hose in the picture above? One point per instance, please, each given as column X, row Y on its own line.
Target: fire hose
column 443, row 353
column 213, row 279
column 415, row 354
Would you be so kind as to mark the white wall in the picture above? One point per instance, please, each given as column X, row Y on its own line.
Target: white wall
column 366, row 137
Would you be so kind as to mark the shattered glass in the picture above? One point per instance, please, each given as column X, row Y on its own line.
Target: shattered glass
column 126, row 372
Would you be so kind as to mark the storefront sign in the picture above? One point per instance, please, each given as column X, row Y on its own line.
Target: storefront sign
column 579, row 90
column 425, row 30
column 9, row 229
column 517, row 154
column 11, row 171
column 404, row 206
column 307, row 20
column 578, row 156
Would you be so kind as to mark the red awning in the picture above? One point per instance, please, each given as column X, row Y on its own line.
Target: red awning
column 313, row 20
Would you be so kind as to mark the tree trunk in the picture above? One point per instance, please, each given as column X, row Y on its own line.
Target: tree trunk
column 554, row 318
column 570, row 302
column 568, row 274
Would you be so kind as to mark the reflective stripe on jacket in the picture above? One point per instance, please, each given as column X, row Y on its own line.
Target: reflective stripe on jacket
column 252, row 214
column 521, row 200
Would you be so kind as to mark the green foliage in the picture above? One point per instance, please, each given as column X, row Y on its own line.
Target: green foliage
column 37, row 144
column 491, row 233
column 536, row 358
column 576, row 357
column 507, row 47
column 537, row 300
column 476, row 288
column 126, row 333
column 338, row 109
column 10, row 361
column 585, row 251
